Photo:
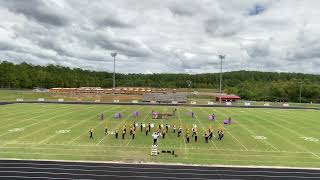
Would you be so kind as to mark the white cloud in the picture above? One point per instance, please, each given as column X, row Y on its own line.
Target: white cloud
column 163, row 36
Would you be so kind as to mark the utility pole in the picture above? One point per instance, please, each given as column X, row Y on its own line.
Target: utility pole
column 221, row 58
column 114, row 54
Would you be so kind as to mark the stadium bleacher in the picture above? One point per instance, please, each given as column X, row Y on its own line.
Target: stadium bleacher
column 165, row 98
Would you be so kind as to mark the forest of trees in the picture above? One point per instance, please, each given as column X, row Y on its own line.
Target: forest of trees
column 250, row 85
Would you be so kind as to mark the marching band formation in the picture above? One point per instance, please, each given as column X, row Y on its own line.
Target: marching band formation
column 162, row 130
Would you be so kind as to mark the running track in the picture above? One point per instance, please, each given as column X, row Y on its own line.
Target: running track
column 22, row 169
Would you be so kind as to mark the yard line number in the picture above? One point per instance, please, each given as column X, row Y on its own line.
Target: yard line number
column 260, row 137
column 16, row 129
column 312, row 139
column 63, row 131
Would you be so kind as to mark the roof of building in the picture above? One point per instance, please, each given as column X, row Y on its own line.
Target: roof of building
column 229, row 97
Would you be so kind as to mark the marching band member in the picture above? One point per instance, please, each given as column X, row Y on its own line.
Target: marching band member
column 91, row 133
column 116, row 133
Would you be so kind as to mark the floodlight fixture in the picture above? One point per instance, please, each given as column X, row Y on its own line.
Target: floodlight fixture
column 221, row 58
column 114, row 54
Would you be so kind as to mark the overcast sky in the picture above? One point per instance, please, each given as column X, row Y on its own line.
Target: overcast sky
column 153, row 36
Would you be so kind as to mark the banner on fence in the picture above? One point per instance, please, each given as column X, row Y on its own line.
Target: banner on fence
column 40, row 99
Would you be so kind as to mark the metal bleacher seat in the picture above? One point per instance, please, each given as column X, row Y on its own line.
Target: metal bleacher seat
column 165, row 98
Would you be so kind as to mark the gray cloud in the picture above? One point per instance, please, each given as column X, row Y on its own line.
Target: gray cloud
column 223, row 25
column 113, row 22
column 185, row 8
column 37, row 10
column 163, row 36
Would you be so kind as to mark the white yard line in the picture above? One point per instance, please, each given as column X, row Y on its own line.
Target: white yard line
column 146, row 116
column 13, row 112
column 99, row 124
column 269, row 130
column 246, row 149
column 254, row 134
column 300, row 121
column 70, row 127
column 297, row 134
column 117, row 127
column 31, row 118
column 40, row 121
column 35, row 132
column 215, row 147
column 290, row 142
column 184, row 140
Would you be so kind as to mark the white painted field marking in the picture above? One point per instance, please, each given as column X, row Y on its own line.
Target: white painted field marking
column 254, row 134
column 299, row 120
column 86, row 132
column 22, row 114
column 246, row 149
column 29, row 119
column 63, row 131
column 268, row 129
column 29, row 124
column 146, row 116
column 117, row 127
column 297, row 145
column 119, row 124
column 204, row 130
column 99, row 124
column 80, row 122
column 34, row 132
column 260, row 137
column 16, row 130
column 184, row 140
column 311, row 139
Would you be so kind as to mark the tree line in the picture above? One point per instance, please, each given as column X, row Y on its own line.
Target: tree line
column 250, row 85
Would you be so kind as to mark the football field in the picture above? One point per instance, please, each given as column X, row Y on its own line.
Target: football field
column 256, row 137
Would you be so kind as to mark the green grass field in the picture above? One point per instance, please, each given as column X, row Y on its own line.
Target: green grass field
column 259, row 137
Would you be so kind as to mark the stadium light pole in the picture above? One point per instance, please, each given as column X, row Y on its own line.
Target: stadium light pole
column 300, row 91
column 114, row 54
column 221, row 58
column 189, row 85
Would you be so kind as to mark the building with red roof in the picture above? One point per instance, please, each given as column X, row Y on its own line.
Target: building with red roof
column 227, row 98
